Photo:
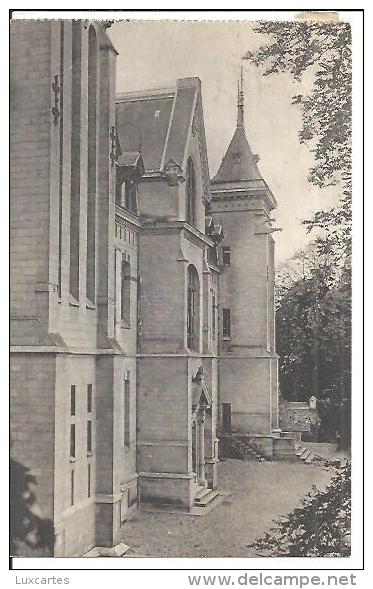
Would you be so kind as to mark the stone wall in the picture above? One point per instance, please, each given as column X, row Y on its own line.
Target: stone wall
column 30, row 118
column 297, row 417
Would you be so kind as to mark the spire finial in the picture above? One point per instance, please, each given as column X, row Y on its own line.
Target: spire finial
column 240, row 101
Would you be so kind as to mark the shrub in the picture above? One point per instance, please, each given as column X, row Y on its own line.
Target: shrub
column 319, row 527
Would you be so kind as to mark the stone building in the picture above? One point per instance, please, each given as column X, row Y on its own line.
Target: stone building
column 142, row 311
column 243, row 202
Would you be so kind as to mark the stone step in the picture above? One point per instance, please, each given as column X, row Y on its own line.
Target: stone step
column 210, row 496
column 201, row 493
column 300, row 450
column 304, row 454
column 310, row 458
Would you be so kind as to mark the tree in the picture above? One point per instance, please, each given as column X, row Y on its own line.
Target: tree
column 321, row 526
column 29, row 533
column 313, row 329
column 314, row 312
column 324, row 49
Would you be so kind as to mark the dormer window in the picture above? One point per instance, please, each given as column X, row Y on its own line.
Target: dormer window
column 190, row 194
column 128, row 196
column 226, row 255
column 129, row 169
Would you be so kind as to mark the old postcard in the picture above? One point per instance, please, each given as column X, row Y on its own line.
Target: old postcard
column 181, row 286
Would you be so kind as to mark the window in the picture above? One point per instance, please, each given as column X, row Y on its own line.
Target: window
column 89, row 437
column 92, row 161
column 127, row 197
column 72, row 481
column 190, row 194
column 89, row 480
column 75, row 161
column 226, row 323
column 126, row 291
column 126, row 409
column 193, row 319
column 61, row 164
column 213, row 315
column 89, row 398
column 226, row 255
column 72, row 440
column 72, row 399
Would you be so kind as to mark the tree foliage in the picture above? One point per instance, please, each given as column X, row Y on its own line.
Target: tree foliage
column 320, row 526
column 323, row 52
column 324, row 49
column 29, row 533
column 313, row 329
column 314, row 289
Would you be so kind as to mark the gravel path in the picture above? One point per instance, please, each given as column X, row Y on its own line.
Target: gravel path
column 259, row 493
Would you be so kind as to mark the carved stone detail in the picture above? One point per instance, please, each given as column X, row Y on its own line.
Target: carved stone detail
column 114, row 149
column 56, row 110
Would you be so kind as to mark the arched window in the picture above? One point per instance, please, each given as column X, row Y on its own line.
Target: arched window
column 193, row 309
column 125, row 294
column 91, row 177
column 127, row 193
column 75, row 160
column 190, row 193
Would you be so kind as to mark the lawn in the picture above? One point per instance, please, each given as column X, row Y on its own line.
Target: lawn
column 259, row 492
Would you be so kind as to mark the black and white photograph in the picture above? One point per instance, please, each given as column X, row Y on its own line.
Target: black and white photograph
column 180, row 287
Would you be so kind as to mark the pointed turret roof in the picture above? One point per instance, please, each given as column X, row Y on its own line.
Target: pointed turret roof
column 239, row 163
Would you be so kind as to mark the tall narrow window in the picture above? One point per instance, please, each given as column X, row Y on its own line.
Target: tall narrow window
column 75, row 161
column 72, row 399
column 126, row 292
column 72, row 481
column 193, row 319
column 89, row 480
column 89, row 436
column 213, row 315
column 91, row 179
column 60, row 210
column 226, row 255
column 226, row 323
column 190, row 193
column 72, row 440
column 89, row 398
column 126, row 409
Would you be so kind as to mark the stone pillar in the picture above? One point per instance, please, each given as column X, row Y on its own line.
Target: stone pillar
column 194, row 448
column 201, row 446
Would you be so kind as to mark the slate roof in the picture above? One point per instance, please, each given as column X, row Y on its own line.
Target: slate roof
column 156, row 123
column 239, row 163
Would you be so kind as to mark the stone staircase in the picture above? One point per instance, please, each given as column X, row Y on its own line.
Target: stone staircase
column 205, row 498
column 277, row 446
column 306, row 455
column 247, row 449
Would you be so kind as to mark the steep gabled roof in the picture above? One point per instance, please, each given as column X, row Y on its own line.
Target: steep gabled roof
column 157, row 123
column 142, row 124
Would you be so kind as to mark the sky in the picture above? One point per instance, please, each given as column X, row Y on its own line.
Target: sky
column 153, row 54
